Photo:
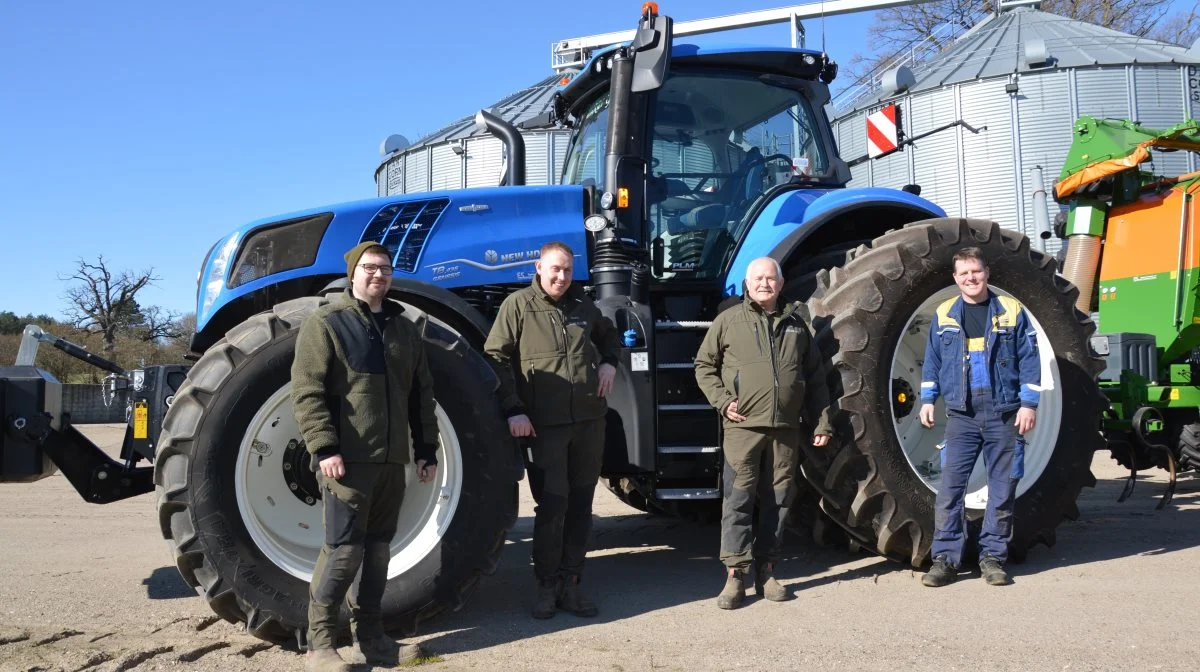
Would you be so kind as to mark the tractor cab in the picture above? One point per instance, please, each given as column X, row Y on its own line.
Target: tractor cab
column 723, row 130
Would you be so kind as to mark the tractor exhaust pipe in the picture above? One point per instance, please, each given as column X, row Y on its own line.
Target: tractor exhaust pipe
column 514, row 174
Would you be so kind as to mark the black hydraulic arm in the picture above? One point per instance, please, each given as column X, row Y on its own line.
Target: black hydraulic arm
column 97, row 477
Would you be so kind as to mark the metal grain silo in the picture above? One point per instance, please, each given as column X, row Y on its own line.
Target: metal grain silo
column 461, row 155
column 1026, row 75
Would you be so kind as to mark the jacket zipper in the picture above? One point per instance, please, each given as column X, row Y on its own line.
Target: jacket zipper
column 562, row 326
column 373, row 328
column 532, row 387
column 774, row 374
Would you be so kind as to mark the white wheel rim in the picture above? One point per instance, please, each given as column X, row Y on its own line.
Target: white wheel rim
column 289, row 532
column 919, row 444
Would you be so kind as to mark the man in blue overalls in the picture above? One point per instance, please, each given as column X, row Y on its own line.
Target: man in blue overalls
column 982, row 359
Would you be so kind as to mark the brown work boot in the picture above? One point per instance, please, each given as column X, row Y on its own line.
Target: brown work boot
column 766, row 586
column 545, row 598
column 385, row 652
column 734, row 593
column 571, row 599
column 325, row 660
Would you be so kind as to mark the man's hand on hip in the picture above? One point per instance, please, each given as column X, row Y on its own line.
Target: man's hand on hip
column 731, row 412
column 927, row 415
column 606, row 373
column 1026, row 419
column 333, row 467
column 820, row 440
column 520, row 426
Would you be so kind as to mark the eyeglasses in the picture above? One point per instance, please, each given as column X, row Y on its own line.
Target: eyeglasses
column 371, row 269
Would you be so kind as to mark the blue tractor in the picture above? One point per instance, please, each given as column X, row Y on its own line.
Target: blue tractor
column 686, row 163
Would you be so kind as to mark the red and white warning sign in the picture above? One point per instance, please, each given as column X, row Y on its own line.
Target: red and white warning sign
column 882, row 136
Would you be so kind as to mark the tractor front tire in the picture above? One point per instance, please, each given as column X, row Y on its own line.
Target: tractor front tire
column 878, row 479
column 243, row 519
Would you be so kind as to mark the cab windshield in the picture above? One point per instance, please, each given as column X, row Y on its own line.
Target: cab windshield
column 720, row 140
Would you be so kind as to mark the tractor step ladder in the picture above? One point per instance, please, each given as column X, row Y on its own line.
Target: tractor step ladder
column 689, row 454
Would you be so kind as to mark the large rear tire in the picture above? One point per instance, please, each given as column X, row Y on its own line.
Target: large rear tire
column 240, row 510
column 872, row 317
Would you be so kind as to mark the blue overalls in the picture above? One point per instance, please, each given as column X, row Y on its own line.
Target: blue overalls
column 984, row 381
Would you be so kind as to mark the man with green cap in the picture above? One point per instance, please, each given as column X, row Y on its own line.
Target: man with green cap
column 361, row 388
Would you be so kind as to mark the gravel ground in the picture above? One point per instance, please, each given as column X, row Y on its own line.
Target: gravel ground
column 86, row 587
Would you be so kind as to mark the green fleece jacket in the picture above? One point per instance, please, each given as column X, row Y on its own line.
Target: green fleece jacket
column 547, row 352
column 361, row 392
column 769, row 363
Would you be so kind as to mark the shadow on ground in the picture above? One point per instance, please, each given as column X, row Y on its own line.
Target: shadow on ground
column 639, row 564
column 643, row 563
column 165, row 583
column 1107, row 529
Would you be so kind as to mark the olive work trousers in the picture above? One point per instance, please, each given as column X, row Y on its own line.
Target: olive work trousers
column 563, row 463
column 760, row 468
column 361, row 512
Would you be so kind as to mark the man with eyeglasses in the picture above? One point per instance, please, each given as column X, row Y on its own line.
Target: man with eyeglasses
column 361, row 388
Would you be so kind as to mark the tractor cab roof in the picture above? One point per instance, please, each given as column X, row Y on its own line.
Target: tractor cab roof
column 784, row 61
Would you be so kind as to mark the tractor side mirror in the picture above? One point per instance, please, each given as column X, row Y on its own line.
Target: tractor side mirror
column 652, row 52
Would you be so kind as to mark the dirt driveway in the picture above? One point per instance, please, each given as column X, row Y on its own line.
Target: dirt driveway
column 86, row 587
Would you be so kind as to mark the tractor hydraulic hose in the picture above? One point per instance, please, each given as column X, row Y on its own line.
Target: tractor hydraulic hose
column 1083, row 258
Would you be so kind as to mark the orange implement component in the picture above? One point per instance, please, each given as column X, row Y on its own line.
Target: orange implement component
column 1099, row 171
column 1143, row 237
column 651, row 7
column 623, row 197
column 1103, row 169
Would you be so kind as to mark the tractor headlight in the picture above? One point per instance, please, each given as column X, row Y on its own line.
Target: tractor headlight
column 279, row 247
column 216, row 275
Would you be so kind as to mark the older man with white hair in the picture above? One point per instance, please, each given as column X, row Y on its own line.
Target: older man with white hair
column 762, row 371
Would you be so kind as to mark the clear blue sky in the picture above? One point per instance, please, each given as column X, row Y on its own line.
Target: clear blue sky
column 143, row 131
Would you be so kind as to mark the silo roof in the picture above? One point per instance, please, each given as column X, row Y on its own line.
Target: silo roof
column 997, row 47
column 514, row 108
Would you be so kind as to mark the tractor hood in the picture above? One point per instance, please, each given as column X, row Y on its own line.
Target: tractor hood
column 466, row 237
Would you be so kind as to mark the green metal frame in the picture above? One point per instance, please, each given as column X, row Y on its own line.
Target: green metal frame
column 1164, row 305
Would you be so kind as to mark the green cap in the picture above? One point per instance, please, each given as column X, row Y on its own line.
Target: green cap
column 356, row 253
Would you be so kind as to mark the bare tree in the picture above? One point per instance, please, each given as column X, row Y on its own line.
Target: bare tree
column 1182, row 28
column 102, row 302
column 155, row 324
column 934, row 25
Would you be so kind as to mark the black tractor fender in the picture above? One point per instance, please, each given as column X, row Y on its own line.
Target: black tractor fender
column 846, row 227
column 439, row 302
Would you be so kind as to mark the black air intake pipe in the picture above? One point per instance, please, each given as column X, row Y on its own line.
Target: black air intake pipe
column 512, row 139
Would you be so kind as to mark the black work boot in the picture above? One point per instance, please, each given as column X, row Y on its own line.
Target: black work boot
column 734, row 592
column 940, row 574
column 385, row 652
column 325, row 660
column 765, row 584
column 545, row 598
column 992, row 571
column 571, row 599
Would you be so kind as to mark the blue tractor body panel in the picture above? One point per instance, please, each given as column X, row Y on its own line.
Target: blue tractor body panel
column 800, row 213
column 459, row 238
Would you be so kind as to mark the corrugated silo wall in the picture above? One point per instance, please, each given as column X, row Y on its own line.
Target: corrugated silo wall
column 1192, row 91
column 980, row 175
column 438, row 167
